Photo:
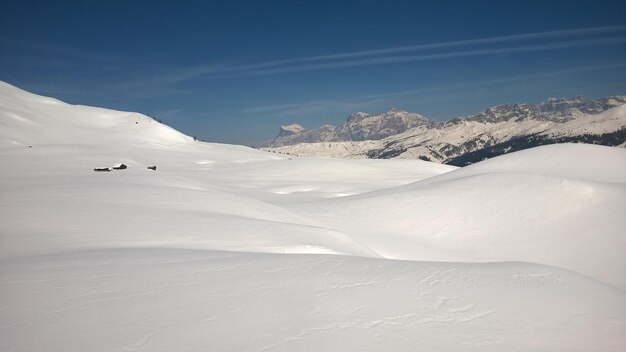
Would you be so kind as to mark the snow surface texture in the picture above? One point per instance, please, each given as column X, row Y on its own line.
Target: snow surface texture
column 225, row 248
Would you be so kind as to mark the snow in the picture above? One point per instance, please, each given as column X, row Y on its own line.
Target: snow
column 526, row 206
column 228, row 248
column 433, row 141
column 166, row 299
column 607, row 121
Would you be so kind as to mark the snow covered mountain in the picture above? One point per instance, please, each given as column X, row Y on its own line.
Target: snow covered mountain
column 228, row 248
column 360, row 126
column 496, row 131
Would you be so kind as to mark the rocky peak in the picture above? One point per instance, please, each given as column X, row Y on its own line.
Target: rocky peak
column 362, row 126
column 501, row 113
column 566, row 108
column 552, row 109
column 357, row 116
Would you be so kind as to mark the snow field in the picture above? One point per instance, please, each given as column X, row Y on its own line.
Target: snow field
column 164, row 299
column 227, row 248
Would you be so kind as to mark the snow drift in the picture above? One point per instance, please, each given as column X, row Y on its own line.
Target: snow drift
column 559, row 205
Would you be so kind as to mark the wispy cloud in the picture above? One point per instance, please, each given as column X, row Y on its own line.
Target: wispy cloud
column 362, row 102
column 459, row 43
column 425, row 57
column 163, row 77
column 59, row 50
column 313, row 107
column 527, row 42
column 515, row 78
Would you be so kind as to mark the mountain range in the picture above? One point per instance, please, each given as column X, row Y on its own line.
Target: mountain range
column 464, row 140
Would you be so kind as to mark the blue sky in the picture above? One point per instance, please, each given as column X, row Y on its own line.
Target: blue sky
column 234, row 71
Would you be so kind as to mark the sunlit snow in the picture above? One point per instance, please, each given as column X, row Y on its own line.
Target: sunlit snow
column 227, row 248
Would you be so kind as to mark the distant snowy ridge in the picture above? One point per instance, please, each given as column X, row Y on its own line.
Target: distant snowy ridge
column 461, row 141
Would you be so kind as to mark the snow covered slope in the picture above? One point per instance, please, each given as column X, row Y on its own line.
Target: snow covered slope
column 227, row 248
column 558, row 205
column 173, row 300
column 199, row 187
